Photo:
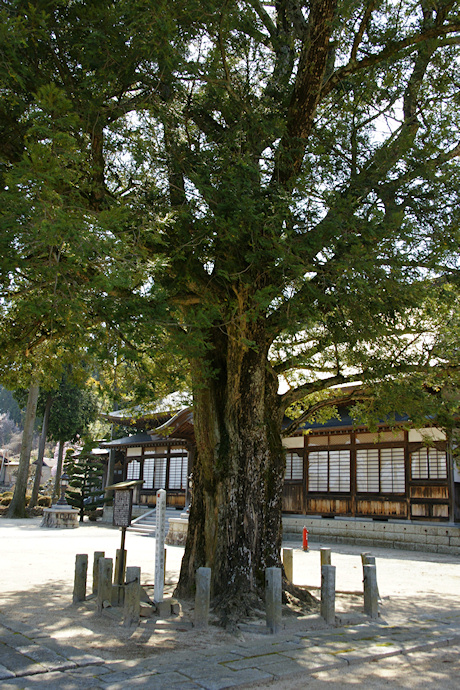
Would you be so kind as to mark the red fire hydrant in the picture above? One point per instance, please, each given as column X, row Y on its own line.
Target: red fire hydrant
column 305, row 539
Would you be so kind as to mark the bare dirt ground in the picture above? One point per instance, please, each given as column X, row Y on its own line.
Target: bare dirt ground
column 36, row 582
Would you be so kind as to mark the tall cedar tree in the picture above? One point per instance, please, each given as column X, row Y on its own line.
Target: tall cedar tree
column 268, row 186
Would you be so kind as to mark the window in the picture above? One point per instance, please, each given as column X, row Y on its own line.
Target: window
column 367, row 471
column 380, row 470
column 133, row 470
column 429, row 463
column 160, row 473
column 148, row 473
column 294, row 465
column 339, row 470
column 329, row 470
column 178, row 471
column 392, row 479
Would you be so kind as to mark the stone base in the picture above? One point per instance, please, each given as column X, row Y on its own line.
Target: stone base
column 177, row 532
column 107, row 515
column 61, row 517
column 166, row 608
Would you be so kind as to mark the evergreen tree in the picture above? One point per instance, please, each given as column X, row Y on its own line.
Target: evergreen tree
column 72, row 411
column 277, row 206
column 85, row 481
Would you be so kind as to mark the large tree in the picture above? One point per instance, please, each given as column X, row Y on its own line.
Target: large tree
column 275, row 184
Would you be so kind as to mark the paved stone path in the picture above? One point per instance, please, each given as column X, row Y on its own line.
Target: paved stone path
column 28, row 659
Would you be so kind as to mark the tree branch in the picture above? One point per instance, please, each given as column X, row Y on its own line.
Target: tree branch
column 389, row 51
column 264, row 18
column 330, row 402
column 362, row 27
column 301, row 392
column 307, row 91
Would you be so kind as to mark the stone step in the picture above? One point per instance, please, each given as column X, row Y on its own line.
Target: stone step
column 142, row 530
column 147, row 524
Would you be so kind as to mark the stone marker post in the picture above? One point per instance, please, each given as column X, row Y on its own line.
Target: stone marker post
column 202, row 597
column 325, row 555
column 328, row 593
column 160, row 535
column 97, row 556
column 273, row 592
column 371, row 594
column 288, row 563
column 367, row 559
column 81, row 570
column 132, row 603
column 104, row 592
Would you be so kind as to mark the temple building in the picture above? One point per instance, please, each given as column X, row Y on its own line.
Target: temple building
column 332, row 469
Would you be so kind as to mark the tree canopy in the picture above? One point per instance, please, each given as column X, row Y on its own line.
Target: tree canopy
column 264, row 189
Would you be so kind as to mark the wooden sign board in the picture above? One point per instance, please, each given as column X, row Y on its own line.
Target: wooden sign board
column 122, row 508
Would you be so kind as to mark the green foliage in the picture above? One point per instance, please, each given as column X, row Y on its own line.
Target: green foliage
column 72, row 411
column 210, row 180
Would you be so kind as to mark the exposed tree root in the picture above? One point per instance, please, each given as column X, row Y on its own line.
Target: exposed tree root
column 230, row 610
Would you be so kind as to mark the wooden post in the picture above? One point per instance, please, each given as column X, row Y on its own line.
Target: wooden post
column 97, row 556
column 288, row 564
column 132, row 602
column 371, row 594
column 273, row 598
column 104, row 592
column 328, row 593
column 325, row 555
column 120, row 565
column 368, row 559
column 81, row 570
column 202, row 597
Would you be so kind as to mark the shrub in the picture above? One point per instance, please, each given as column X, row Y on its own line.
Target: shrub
column 5, row 500
column 95, row 514
column 44, row 501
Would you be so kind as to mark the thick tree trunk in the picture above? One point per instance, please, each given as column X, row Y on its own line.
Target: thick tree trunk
column 41, row 453
column 235, row 517
column 17, row 507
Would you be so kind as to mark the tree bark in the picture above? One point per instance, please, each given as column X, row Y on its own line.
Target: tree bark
column 235, row 516
column 57, row 480
column 17, row 507
column 41, row 453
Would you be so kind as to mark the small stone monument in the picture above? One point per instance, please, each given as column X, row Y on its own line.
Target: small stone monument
column 60, row 514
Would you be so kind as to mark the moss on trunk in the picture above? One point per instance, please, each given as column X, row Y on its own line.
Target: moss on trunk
column 235, row 517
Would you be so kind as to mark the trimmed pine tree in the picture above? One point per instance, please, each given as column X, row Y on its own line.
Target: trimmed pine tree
column 85, row 473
